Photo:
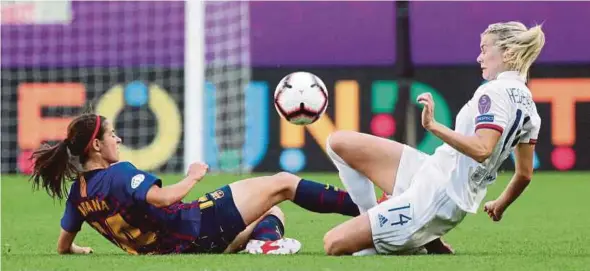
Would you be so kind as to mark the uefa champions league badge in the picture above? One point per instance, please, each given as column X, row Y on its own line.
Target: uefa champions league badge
column 484, row 104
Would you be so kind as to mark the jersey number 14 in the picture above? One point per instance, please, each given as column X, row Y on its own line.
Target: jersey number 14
column 403, row 219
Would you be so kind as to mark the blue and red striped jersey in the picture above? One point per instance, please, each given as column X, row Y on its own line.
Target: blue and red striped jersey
column 113, row 202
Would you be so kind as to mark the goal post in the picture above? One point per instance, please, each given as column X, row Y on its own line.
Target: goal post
column 194, row 70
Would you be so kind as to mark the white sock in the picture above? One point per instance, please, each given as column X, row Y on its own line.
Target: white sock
column 358, row 186
column 365, row 252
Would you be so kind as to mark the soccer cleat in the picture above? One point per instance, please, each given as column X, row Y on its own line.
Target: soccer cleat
column 365, row 252
column 438, row 246
column 278, row 247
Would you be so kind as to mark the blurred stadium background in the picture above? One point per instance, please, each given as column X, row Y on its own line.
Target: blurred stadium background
column 187, row 80
column 141, row 63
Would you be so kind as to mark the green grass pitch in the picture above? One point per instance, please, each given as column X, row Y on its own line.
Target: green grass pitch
column 548, row 228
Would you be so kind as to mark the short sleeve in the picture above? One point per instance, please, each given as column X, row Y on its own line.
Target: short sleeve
column 72, row 219
column 531, row 127
column 493, row 109
column 137, row 183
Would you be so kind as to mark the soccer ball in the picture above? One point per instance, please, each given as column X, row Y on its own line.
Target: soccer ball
column 301, row 98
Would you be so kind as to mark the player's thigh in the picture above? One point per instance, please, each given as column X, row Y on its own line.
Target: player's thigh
column 222, row 226
column 410, row 163
column 375, row 157
column 349, row 237
column 253, row 197
column 242, row 239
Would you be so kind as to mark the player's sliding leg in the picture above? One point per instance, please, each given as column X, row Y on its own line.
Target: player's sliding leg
column 360, row 189
column 373, row 156
column 364, row 159
column 254, row 196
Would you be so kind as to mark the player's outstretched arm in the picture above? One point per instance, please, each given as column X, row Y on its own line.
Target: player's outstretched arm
column 521, row 179
column 65, row 244
column 479, row 146
column 166, row 196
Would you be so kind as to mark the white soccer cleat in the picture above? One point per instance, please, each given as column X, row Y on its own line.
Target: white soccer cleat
column 278, row 247
column 365, row 252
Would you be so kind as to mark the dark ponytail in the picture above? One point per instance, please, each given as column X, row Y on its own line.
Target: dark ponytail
column 55, row 165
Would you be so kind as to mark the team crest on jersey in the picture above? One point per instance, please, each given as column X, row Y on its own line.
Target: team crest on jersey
column 484, row 104
column 217, row 194
column 137, row 180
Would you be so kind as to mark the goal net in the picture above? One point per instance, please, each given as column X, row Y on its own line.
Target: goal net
column 227, row 39
column 127, row 59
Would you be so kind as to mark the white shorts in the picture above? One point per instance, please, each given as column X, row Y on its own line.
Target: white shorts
column 411, row 160
column 419, row 210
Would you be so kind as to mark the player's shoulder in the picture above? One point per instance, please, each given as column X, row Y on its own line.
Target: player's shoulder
column 122, row 173
column 122, row 169
column 127, row 170
column 122, row 165
column 491, row 91
column 505, row 89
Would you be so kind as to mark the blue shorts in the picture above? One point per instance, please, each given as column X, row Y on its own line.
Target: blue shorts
column 221, row 222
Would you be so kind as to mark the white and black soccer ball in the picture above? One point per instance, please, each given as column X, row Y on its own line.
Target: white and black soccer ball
column 301, row 98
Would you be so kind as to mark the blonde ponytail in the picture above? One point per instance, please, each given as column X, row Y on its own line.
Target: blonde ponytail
column 521, row 46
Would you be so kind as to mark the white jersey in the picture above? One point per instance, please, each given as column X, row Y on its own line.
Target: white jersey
column 504, row 104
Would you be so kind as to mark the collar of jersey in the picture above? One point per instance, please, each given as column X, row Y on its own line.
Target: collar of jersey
column 89, row 174
column 510, row 75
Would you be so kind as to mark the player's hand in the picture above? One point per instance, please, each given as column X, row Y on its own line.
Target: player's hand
column 81, row 250
column 428, row 110
column 494, row 209
column 197, row 170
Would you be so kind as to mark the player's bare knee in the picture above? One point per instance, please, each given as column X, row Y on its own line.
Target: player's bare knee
column 337, row 141
column 286, row 184
column 286, row 179
column 334, row 244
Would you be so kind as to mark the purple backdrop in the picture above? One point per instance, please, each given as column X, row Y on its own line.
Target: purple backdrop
column 294, row 33
column 448, row 32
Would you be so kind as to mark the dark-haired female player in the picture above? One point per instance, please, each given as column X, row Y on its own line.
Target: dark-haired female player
column 132, row 209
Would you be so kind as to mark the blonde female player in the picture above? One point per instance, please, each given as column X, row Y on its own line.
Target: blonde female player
column 431, row 194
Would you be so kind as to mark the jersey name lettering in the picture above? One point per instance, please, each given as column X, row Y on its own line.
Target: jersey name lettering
column 93, row 205
column 519, row 96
